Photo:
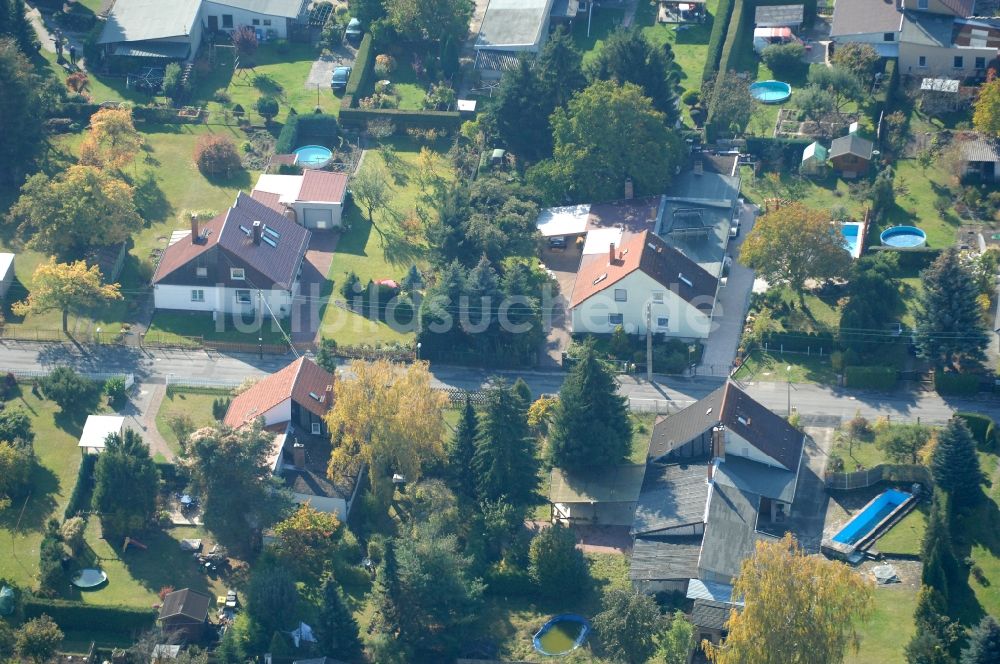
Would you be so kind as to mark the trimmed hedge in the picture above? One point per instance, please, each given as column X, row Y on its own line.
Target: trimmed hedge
column 734, row 33
column 719, row 25
column 403, row 119
column 956, row 383
column 982, row 428
column 364, row 65
column 79, row 500
column 871, row 378
column 313, row 125
column 79, row 616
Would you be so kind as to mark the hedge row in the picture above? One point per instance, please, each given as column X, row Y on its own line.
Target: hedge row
column 403, row 119
column 766, row 147
column 79, row 500
column 364, row 65
column 956, row 383
column 79, row 616
column 799, row 342
column 870, row 378
column 719, row 24
column 734, row 32
column 983, row 429
column 312, row 126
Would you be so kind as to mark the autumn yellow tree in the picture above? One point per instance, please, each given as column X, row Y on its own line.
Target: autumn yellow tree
column 307, row 541
column 112, row 141
column 798, row 609
column 986, row 116
column 66, row 287
column 388, row 418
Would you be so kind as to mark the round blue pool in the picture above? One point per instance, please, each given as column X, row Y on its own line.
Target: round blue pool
column 562, row 634
column 903, row 237
column 771, row 92
column 313, row 156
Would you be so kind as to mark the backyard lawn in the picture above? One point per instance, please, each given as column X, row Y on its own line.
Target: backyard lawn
column 186, row 328
column 764, row 366
column 195, row 404
column 886, row 634
column 689, row 45
column 905, row 537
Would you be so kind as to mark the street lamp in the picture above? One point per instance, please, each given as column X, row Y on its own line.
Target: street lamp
column 788, row 375
column 260, row 347
column 418, row 350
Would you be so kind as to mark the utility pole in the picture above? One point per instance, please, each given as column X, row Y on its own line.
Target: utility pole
column 788, row 375
column 260, row 324
column 649, row 342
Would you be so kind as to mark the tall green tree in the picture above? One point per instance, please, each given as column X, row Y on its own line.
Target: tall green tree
column 556, row 566
column 902, row 443
column 937, row 554
column 858, row 58
column 504, row 462
column 336, row 628
column 950, row 330
column 461, row 452
column 607, row 134
column 628, row 57
column 560, row 68
column 591, row 425
column 272, row 597
column 520, row 113
column 986, row 116
column 955, row 465
column 386, row 593
column 984, row 643
column 21, row 28
column 675, row 641
column 21, row 137
column 627, row 626
column 427, row 20
column 125, row 462
column 874, row 303
column 38, row 639
column 840, row 82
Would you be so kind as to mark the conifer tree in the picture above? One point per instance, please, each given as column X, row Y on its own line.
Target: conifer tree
column 954, row 464
column 939, row 563
column 21, row 28
column 950, row 328
column 385, row 593
column 984, row 643
column 337, row 629
column 504, row 462
column 591, row 426
column 460, row 454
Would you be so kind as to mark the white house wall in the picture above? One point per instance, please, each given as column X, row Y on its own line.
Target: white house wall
column 684, row 320
column 300, row 208
column 278, row 414
column 218, row 298
column 736, row 445
column 279, row 24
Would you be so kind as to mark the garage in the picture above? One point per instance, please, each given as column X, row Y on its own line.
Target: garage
column 317, row 218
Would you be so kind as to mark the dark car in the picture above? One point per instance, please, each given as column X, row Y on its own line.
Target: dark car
column 557, row 243
column 353, row 32
column 339, row 79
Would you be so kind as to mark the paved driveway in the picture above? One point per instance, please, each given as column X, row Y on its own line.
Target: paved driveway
column 731, row 308
column 564, row 265
column 305, row 318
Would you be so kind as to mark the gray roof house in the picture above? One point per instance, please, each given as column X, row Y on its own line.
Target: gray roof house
column 510, row 28
column 981, row 157
column 720, row 472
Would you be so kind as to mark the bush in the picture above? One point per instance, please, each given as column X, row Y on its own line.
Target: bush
column 784, row 59
column 385, row 64
column 870, row 378
column 319, row 127
column 268, row 107
column 719, row 25
column 8, row 386
column 691, row 97
column 216, row 155
column 557, row 566
column 245, row 40
column 114, row 389
column 446, row 121
column 983, row 429
column 219, row 407
column 222, row 96
column 364, row 65
column 175, row 87
column 957, row 384
column 80, row 498
column 67, row 388
column 118, row 619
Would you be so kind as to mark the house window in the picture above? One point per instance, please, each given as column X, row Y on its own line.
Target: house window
column 658, row 297
column 243, row 296
column 662, row 322
column 227, row 21
column 197, row 295
column 959, row 62
column 621, row 295
column 921, row 4
column 256, row 21
column 201, row 271
column 616, row 319
column 316, row 428
column 980, row 63
column 922, row 62
column 267, row 21
column 888, row 36
column 237, row 274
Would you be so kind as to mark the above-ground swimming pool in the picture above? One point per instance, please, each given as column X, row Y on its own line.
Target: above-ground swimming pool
column 771, row 92
column 313, row 156
column 874, row 513
column 89, row 578
column 851, row 230
column 903, row 237
column 562, row 634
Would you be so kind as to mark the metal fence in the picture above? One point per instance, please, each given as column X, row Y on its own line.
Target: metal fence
column 885, row 472
column 173, row 380
column 97, row 376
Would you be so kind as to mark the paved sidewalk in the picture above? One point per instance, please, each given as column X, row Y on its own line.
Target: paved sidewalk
column 140, row 415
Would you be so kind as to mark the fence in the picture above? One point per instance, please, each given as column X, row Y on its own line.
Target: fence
column 885, row 472
column 97, row 376
column 173, row 380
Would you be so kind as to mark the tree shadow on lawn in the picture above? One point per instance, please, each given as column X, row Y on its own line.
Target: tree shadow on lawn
column 163, row 563
column 150, row 200
column 71, row 421
column 238, row 180
column 41, row 503
column 979, row 526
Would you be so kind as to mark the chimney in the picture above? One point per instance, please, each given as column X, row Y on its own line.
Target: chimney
column 256, row 232
column 719, row 442
column 299, row 455
column 611, row 255
column 194, row 228
column 629, row 189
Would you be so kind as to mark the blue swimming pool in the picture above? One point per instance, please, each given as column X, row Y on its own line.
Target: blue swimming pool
column 851, row 230
column 771, row 92
column 313, row 156
column 872, row 515
column 561, row 634
column 903, row 237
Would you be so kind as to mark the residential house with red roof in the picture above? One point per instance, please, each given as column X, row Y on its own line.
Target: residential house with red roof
column 314, row 199
column 247, row 260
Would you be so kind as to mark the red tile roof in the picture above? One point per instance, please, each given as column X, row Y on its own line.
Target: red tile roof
column 646, row 252
column 272, row 201
column 299, row 381
column 323, row 186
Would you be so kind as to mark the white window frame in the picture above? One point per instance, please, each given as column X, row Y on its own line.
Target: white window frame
column 657, row 297
column 267, row 21
column 316, row 428
column 615, row 323
column 978, row 59
column 621, row 295
column 921, row 62
column 239, row 298
column 237, row 274
column 958, row 62
column 663, row 322
column 201, row 271
column 197, row 295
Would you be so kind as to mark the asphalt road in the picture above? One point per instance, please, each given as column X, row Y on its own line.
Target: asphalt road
column 819, row 405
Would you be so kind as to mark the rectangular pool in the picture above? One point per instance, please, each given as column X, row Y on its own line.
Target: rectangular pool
column 851, row 230
column 871, row 516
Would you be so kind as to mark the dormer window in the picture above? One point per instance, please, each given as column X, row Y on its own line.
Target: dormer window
column 201, row 271
column 237, row 274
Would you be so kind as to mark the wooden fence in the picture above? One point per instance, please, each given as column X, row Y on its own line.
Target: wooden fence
column 884, row 472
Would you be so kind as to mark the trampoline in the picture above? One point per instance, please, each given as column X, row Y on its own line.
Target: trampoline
column 313, row 156
column 771, row 92
column 90, row 578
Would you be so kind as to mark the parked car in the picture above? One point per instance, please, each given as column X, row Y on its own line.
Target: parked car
column 339, row 79
column 353, row 32
column 557, row 243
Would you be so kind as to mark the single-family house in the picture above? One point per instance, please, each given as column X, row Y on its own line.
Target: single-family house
column 246, row 260
column 779, row 16
column 174, row 30
column 874, row 22
column 510, row 28
column 596, row 496
column 314, row 199
column 814, row 158
column 981, row 158
column 96, row 430
column 184, row 613
column 301, row 393
column 7, row 275
column 851, row 155
column 722, row 475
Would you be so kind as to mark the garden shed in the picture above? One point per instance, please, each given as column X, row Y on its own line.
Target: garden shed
column 814, row 159
column 597, row 496
column 96, row 431
column 6, row 273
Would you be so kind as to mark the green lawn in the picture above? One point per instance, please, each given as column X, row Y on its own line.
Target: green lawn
column 360, row 250
column 863, row 454
column 690, row 45
column 196, row 405
column 642, row 428
column 905, row 537
column 185, row 327
column 916, row 192
column 886, row 634
column 589, row 36
column 763, row 366
column 21, row 525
